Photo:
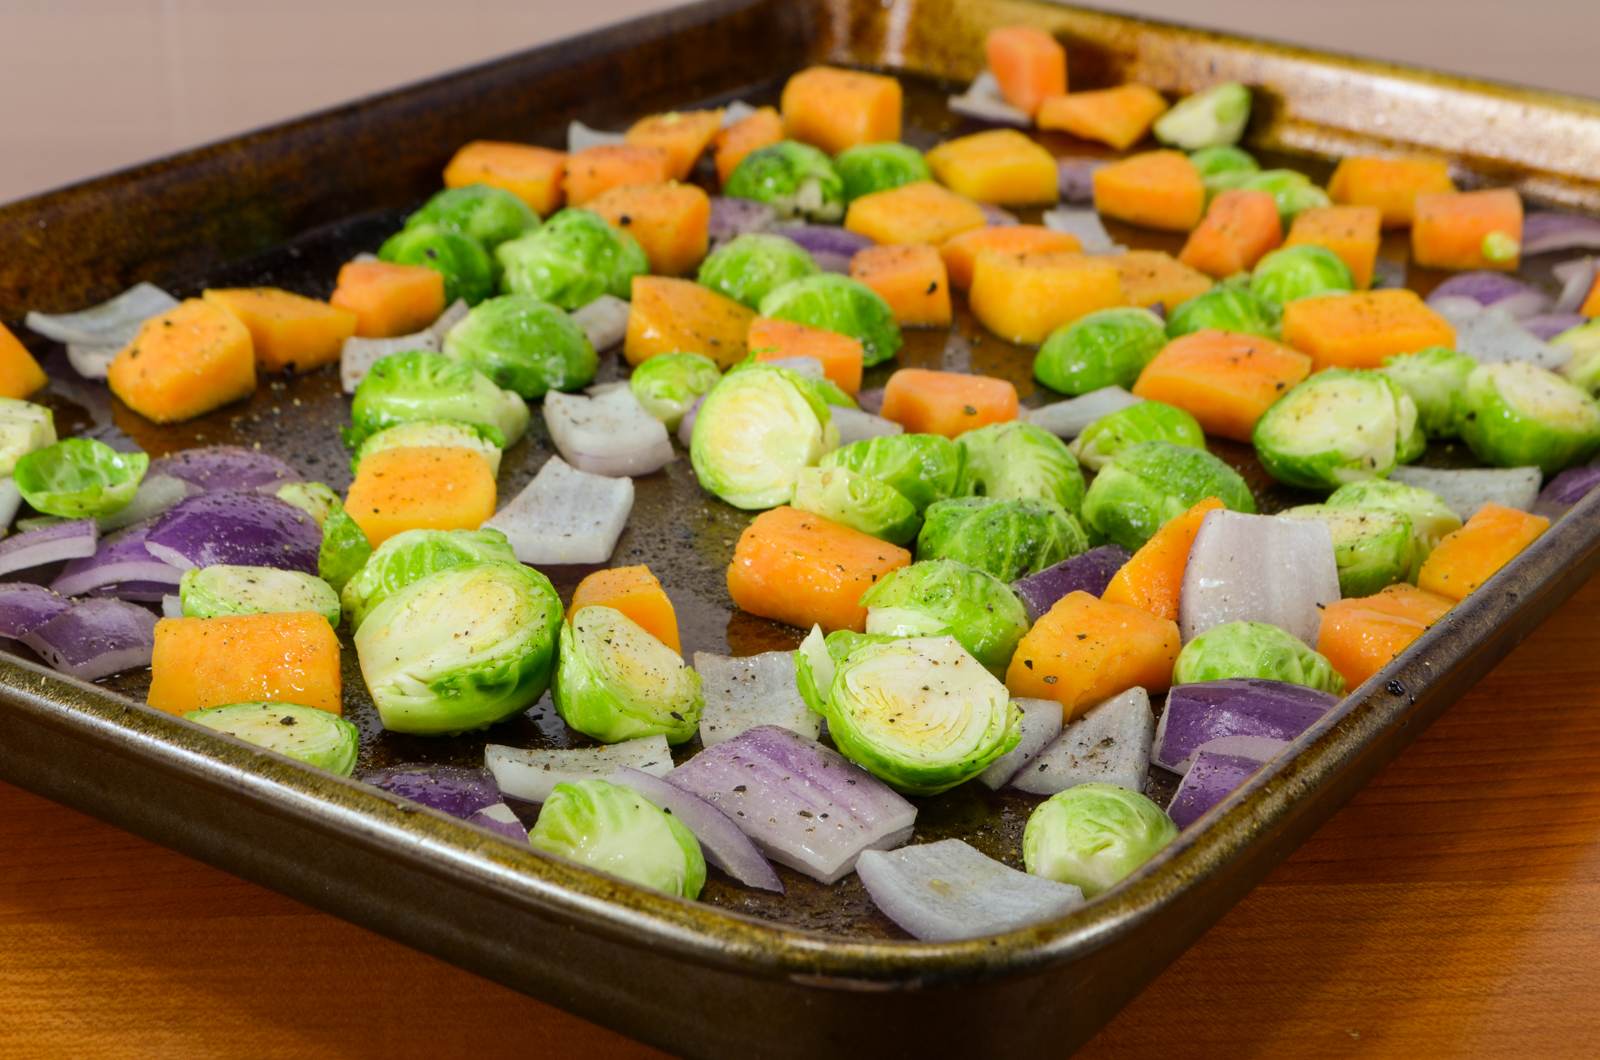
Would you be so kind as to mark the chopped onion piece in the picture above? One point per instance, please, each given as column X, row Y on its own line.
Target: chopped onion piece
column 455, row 790
column 95, row 638
column 566, row 516
column 604, row 321
column 1041, row 724
column 581, row 137
column 1465, row 490
column 870, row 399
column 809, row 367
column 946, row 891
column 73, row 539
column 120, row 559
column 1108, row 745
column 735, row 217
column 1198, row 715
column 754, row 690
column 1545, row 230
column 453, row 314
column 10, row 502
column 830, row 246
column 358, row 355
column 532, row 774
column 1088, row 572
column 91, row 362
column 1086, row 225
column 982, row 101
column 1212, row 778
column 155, row 495
column 1067, row 419
column 855, row 425
column 1075, row 179
column 235, row 527
column 1493, row 336
column 1577, row 280
column 112, row 323
column 725, row 846
column 736, row 112
column 25, row 607
column 1388, row 273
column 995, row 217
column 226, row 467
column 502, row 820
column 1258, row 568
column 1566, row 490
column 1493, row 289
column 1547, row 326
column 686, row 427
column 171, row 606
column 607, row 435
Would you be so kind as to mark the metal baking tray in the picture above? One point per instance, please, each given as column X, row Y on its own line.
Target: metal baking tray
column 819, row 969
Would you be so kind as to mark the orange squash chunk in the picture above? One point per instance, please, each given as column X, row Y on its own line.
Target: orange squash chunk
column 424, row 487
column 1001, row 166
column 596, row 170
column 924, row 401
column 388, row 299
column 911, row 279
column 636, row 593
column 286, row 657
column 1152, row 578
column 1225, row 380
column 1470, row 556
column 1157, row 189
column 805, row 570
column 671, row 316
column 1152, row 276
column 1464, row 230
column 1024, row 297
column 1591, row 305
column 922, row 212
column 535, row 175
column 290, row 332
column 1362, row 635
column 1118, row 117
column 1360, row 329
column 834, row 109
column 841, row 356
column 684, row 135
column 961, row 252
column 20, row 374
column 1085, row 650
column 1239, row 227
column 189, row 360
column 730, row 146
column 672, row 222
column 1029, row 64
column 1390, row 184
column 1352, row 232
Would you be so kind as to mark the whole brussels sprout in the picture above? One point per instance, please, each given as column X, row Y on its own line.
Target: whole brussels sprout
column 1223, row 160
column 1341, row 425
column 79, row 478
column 1093, row 835
column 1436, row 380
column 1431, row 519
column 1213, row 118
column 793, row 178
column 617, row 682
column 857, row 501
column 421, row 385
column 1148, row 483
column 524, row 345
column 228, row 589
column 316, row 499
column 1109, row 347
column 1291, row 190
column 867, row 168
column 749, row 267
column 942, row 597
column 428, row 433
column 1006, row 538
column 460, row 649
column 922, row 468
column 1148, row 421
column 1582, row 370
column 669, row 384
column 1019, row 461
column 574, row 259
column 1226, row 307
column 1299, row 272
column 1517, row 414
column 754, row 432
column 838, row 303
column 344, row 549
column 1371, row 548
column 467, row 269
column 488, row 214
column 1254, row 649
column 412, row 555
column 618, row 831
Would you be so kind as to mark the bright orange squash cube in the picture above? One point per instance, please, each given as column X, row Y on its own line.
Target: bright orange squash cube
column 1118, row 117
column 1150, row 277
column 389, row 299
column 1024, row 297
column 1390, row 184
column 672, row 222
column 1361, row 328
column 841, row 356
column 1352, row 232
column 20, row 374
column 596, row 170
column 290, row 332
column 672, row 316
column 422, row 487
column 834, row 109
column 535, row 175
column 189, row 360
column 922, row 212
column 730, row 146
column 911, row 278
column 683, row 134
column 1157, row 189
column 283, row 657
column 1000, row 166
column 961, row 252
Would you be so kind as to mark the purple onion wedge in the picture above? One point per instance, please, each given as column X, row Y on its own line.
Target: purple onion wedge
column 455, row 790
column 1494, row 289
column 1041, row 724
column 1544, row 231
column 230, row 526
column 74, row 539
column 25, row 607
column 1547, row 326
column 1088, row 572
column 502, row 820
column 724, row 844
column 737, row 217
column 226, row 467
column 1212, row 778
column 1566, row 490
column 95, row 638
column 944, row 891
column 832, row 247
column 1075, row 178
column 1197, row 714
column 120, row 559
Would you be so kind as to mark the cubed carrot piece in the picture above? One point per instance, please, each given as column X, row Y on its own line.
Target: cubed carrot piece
column 683, row 134
column 924, row 401
column 1470, row 556
column 1360, row 329
column 1462, row 230
column 1225, row 380
column 388, row 299
column 730, row 146
column 424, row 487
column 1390, row 184
column 1153, row 577
column 1362, row 635
column 922, row 212
column 1085, row 650
column 1157, row 189
column 961, row 252
column 596, row 170
column 20, row 374
column 189, row 360
column 1239, row 227
column 1024, row 297
column 536, row 175
column 1118, row 117
column 805, row 570
column 636, row 593
column 290, row 332
column 1029, row 64
column 834, row 109
column 1352, row 232
column 841, row 356
column 1000, row 166
column 669, row 316
column 672, row 222
column 283, row 657
column 1151, row 277
column 911, row 278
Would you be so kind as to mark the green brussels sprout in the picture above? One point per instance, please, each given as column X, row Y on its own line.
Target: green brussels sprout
column 923, row 468
column 616, row 682
column 749, row 267
column 487, row 214
column 825, row 390
column 838, row 303
column 467, row 269
column 941, row 597
column 1148, row 421
column 1213, row 118
column 1148, row 483
column 1223, row 160
column 857, row 501
column 1513, row 415
column 310, row 734
column 1436, row 380
column 1341, row 425
column 226, row 589
column 795, row 179
column 79, row 478
column 574, row 259
column 867, row 168
column 429, row 433
column 754, row 432
column 1431, row 519
column 524, row 345
column 1254, row 649
column 1371, row 548
column 1299, row 272
column 412, row 555
column 421, row 385
column 1093, row 835
column 314, row 498
column 460, row 649
column 1583, row 369
column 1019, row 461
column 344, row 549
column 669, row 384
column 1007, row 538
column 24, row 427
column 1291, row 190
column 616, row 830
column 1226, row 307
column 817, row 658
column 1109, row 347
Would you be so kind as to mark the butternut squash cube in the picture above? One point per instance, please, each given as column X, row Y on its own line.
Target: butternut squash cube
column 283, row 657
column 20, row 374
column 834, row 109
column 961, row 252
column 1153, row 276
column 670, row 316
column 1360, row 329
column 1118, row 117
column 1352, row 232
column 672, row 222
column 422, row 487
column 535, row 175
column 389, row 299
column 922, row 212
column 683, row 134
column 596, row 170
column 912, row 279
column 730, row 146
column 841, row 356
column 1157, row 189
column 189, row 360
column 1024, row 297
column 1390, row 184
column 290, row 332
column 1000, row 166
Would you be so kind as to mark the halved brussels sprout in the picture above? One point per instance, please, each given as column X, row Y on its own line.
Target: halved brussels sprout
column 1225, row 160
column 669, row 384
column 79, row 478
column 1299, row 272
column 749, row 267
column 1226, row 307
column 867, row 168
column 225, row 589
column 1436, row 379
column 795, row 179
column 923, row 468
column 420, row 385
column 754, row 432
column 1213, row 118
column 1431, row 519
column 857, row 501
column 24, row 427
column 942, row 597
column 1019, row 461
column 1290, row 189
column 1148, row 483
column 1341, row 425
column 467, row 269
column 488, row 214
column 1514, row 415
column 1371, row 548
column 618, row 831
column 1109, row 347
column 817, row 658
column 1093, row 835
column 1254, row 649
column 344, row 549
column 838, row 303
column 616, row 682
column 1583, row 369
column 574, row 259
column 1148, row 421
column 314, row 736
column 524, row 345
column 316, row 499
column 429, row 433
column 1007, row 538
column 412, row 555
column 460, row 649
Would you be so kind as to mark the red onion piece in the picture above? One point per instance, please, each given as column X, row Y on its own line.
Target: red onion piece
column 607, row 435
column 1069, row 418
column 112, row 323
column 996, row 217
column 1075, row 178
column 830, row 246
column 229, row 526
column 95, row 638
column 1198, row 714
column 121, row 558
column 502, row 820
column 531, row 774
column 25, row 607
column 1041, row 724
column 155, row 495
column 1110, row 744
column 1212, row 778
column 1493, row 289
column 566, row 516
column 226, row 467
column 73, row 539
column 1577, row 280
column 983, row 101
column 870, row 400
column 604, row 321
column 1088, row 572
column 1465, row 490
column 1566, row 490
column 134, row 592
column 1258, row 568
column 1492, row 335
column 946, row 891
column 1547, row 326
column 725, row 846
column 455, row 790
column 1086, row 226
column 754, row 690
column 1544, row 231
column 736, row 217
column 686, row 425
column 855, row 425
